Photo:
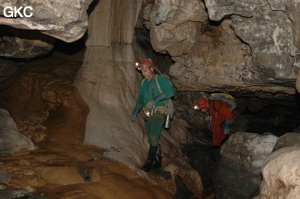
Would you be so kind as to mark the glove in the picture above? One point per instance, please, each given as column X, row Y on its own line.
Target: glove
column 194, row 111
column 136, row 110
column 133, row 116
column 150, row 104
column 226, row 128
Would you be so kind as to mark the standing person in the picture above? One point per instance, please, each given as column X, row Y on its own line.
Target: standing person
column 221, row 115
column 153, row 91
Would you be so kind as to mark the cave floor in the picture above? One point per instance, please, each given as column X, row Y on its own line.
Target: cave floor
column 60, row 171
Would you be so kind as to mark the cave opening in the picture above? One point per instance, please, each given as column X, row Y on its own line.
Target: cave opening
column 69, row 48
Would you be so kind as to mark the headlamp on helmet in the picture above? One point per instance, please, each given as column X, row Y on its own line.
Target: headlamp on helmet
column 202, row 103
column 138, row 66
column 196, row 107
column 144, row 63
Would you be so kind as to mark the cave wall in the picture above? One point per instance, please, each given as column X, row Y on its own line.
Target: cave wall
column 232, row 45
column 215, row 45
column 24, row 44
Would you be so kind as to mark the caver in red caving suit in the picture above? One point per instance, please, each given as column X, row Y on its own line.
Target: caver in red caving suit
column 221, row 115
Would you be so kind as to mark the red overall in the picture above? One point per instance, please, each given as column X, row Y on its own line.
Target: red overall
column 219, row 111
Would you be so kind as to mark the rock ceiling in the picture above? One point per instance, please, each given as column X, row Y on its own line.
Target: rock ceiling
column 233, row 45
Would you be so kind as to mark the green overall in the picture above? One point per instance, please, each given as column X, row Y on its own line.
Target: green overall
column 148, row 90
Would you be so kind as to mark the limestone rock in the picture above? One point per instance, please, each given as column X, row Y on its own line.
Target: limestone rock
column 18, row 43
column 10, row 138
column 43, row 102
column 288, row 139
column 242, row 155
column 274, row 36
column 223, row 52
column 65, row 20
column 175, row 24
column 247, row 150
column 7, row 68
column 17, row 194
column 210, row 64
column 112, row 22
column 298, row 82
column 281, row 174
column 5, row 177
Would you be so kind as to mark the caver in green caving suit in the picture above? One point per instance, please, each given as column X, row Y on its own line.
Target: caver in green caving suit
column 153, row 91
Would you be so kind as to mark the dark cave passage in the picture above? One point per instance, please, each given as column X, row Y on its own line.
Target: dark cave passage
column 273, row 118
column 253, row 115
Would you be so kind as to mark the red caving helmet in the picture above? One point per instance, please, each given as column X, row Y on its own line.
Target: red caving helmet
column 144, row 63
column 202, row 103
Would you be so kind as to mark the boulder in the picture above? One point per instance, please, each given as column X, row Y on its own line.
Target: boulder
column 65, row 20
column 242, row 155
column 11, row 139
column 247, row 151
column 17, row 43
column 288, row 139
column 281, row 179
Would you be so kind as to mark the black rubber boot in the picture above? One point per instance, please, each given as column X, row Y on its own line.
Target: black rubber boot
column 151, row 157
column 158, row 159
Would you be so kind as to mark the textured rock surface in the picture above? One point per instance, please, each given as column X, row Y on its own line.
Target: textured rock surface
column 288, row 139
column 64, row 171
column 247, row 150
column 10, row 138
column 112, row 22
column 233, row 45
column 65, row 20
column 17, row 43
column 40, row 96
column 175, row 24
column 242, row 155
column 247, row 45
column 281, row 179
column 17, row 194
column 5, row 177
column 8, row 69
